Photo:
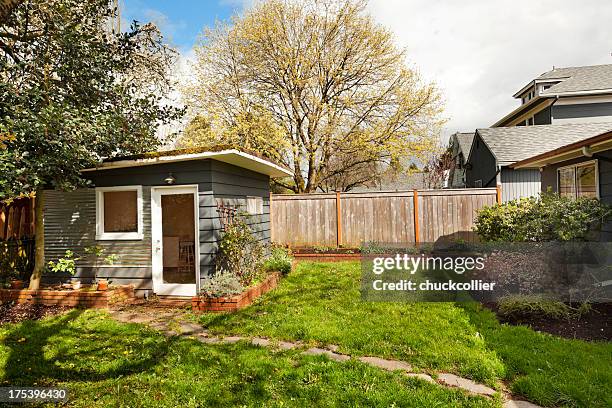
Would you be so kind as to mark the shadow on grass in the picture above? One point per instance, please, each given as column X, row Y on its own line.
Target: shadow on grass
column 67, row 348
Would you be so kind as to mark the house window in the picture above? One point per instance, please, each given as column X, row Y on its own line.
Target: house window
column 254, row 205
column 580, row 180
column 119, row 213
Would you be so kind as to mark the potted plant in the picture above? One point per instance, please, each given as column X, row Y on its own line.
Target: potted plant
column 66, row 265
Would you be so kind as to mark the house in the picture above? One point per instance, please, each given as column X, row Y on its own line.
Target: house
column 494, row 150
column 564, row 95
column 579, row 169
column 558, row 107
column 160, row 214
column 461, row 145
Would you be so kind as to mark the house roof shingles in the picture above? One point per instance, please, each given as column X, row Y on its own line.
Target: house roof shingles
column 512, row 144
column 465, row 141
column 579, row 79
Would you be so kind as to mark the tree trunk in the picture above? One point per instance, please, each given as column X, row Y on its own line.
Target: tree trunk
column 39, row 252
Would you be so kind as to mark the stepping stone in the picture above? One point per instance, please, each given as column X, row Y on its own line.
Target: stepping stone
column 259, row 341
column 421, row 376
column 330, row 354
column 209, row 340
column 190, row 328
column 285, row 345
column 452, row 380
column 232, row 339
column 519, row 404
column 333, row 348
column 390, row 365
column 139, row 318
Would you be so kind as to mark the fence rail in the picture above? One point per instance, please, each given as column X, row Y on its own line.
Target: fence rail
column 349, row 219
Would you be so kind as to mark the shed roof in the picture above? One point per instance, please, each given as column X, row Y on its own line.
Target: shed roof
column 236, row 157
column 513, row 144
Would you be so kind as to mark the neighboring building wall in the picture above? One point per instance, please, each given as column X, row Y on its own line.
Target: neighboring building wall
column 549, row 180
column 543, row 117
column 582, row 113
column 519, row 183
column 70, row 217
column 483, row 165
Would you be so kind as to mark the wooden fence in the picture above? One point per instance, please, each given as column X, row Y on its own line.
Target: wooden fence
column 17, row 219
column 350, row 219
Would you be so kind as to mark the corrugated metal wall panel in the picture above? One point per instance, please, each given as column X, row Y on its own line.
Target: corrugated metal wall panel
column 520, row 183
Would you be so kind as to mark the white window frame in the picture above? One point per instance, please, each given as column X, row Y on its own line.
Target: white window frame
column 575, row 166
column 258, row 203
column 101, row 235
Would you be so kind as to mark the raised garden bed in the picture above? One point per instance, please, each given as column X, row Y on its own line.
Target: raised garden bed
column 82, row 298
column 326, row 254
column 237, row 302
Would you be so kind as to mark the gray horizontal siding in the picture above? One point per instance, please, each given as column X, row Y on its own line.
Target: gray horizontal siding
column 583, row 112
column 70, row 224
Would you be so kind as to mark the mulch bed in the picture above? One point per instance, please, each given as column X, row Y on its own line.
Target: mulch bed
column 15, row 313
column 596, row 325
column 330, row 251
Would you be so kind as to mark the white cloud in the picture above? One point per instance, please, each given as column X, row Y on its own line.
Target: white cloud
column 480, row 52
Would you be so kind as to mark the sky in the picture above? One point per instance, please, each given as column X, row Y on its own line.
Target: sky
column 478, row 52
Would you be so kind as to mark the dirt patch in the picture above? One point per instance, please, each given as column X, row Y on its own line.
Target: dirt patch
column 15, row 313
column 595, row 325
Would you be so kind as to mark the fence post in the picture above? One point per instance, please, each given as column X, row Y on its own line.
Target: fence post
column 338, row 220
column 415, row 197
column 499, row 197
column 270, row 215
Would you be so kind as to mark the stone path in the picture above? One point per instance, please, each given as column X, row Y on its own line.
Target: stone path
column 171, row 323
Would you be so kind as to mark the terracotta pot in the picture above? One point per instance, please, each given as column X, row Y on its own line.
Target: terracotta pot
column 17, row 284
column 102, row 284
column 76, row 285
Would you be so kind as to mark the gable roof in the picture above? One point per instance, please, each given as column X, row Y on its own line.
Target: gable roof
column 513, row 144
column 464, row 143
column 232, row 156
column 578, row 79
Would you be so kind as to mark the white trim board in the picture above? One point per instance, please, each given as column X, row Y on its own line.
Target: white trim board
column 231, row 156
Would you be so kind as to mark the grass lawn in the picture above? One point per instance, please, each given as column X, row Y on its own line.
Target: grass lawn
column 320, row 303
column 105, row 363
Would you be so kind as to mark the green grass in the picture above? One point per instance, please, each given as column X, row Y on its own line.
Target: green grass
column 105, row 363
column 320, row 304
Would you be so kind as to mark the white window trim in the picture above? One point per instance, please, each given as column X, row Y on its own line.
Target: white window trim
column 117, row 236
column 574, row 166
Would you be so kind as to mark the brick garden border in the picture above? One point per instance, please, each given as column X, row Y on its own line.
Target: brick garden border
column 93, row 299
column 237, row 302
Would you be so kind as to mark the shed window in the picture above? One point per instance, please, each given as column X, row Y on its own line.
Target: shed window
column 254, row 205
column 580, row 180
column 119, row 213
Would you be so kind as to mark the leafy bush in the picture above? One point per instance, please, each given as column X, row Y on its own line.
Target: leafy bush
column 519, row 307
column 239, row 251
column 222, row 284
column 549, row 217
column 280, row 260
column 64, row 265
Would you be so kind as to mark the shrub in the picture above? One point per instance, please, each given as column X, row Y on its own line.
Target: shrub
column 222, row 284
column 67, row 264
column 239, row 251
column 549, row 217
column 517, row 307
column 280, row 260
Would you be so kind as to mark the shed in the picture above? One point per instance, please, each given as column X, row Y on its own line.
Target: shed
column 160, row 214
